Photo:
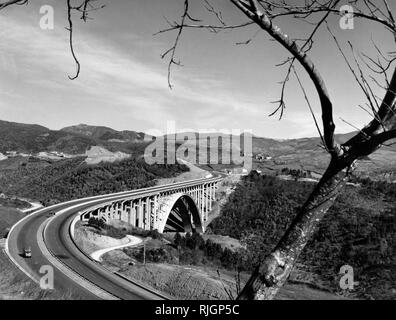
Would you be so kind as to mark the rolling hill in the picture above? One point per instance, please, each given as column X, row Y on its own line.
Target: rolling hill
column 32, row 138
column 100, row 133
column 304, row 153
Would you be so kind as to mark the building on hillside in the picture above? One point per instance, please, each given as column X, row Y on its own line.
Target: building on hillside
column 11, row 154
column 262, row 157
column 25, row 154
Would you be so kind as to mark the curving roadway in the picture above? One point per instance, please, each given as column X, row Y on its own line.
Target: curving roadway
column 74, row 272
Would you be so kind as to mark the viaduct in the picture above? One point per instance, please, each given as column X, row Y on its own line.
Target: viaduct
column 177, row 207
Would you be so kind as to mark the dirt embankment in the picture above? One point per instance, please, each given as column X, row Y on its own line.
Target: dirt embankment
column 199, row 282
column 89, row 241
column 193, row 173
column 98, row 154
column 179, row 282
column 225, row 241
column 188, row 281
column 225, row 188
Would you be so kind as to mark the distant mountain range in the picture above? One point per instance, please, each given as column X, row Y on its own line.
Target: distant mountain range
column 32, row 138
column 304, row 153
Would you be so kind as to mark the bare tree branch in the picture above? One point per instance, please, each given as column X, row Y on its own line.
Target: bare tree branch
column 70, row 29
column 327, row 109
column 84, row 7
column 310, row 108
column 11, row 2
column 172, row 51
column 308, row 42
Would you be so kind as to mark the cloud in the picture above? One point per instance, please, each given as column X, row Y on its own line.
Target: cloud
column 116, row 88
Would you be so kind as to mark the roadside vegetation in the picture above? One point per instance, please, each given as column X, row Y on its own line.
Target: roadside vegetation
column 118, row 232
column 190, row 249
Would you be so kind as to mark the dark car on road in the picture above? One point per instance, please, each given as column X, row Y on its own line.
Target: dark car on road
column 27, row 252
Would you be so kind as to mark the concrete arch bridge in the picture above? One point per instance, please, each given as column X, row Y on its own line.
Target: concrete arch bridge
column 177, row 207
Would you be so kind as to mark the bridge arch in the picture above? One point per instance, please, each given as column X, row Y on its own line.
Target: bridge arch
column 179, row 213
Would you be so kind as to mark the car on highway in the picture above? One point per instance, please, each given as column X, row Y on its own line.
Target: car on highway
column 27, row 252
column 51, row 213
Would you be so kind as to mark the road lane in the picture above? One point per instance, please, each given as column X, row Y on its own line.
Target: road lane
column 59, row 242
column 27, row 235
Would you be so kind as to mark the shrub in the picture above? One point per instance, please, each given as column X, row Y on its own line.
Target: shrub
column 96, row 223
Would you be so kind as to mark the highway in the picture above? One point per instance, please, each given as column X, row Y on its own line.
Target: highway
column 74, row 272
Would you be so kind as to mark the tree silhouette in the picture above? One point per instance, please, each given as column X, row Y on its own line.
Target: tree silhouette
column 274, row 270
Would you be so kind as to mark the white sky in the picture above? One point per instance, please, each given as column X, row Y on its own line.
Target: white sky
column 123, row 81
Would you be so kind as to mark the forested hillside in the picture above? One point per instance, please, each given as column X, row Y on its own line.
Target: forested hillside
column 31, row 138
column 34, row 138
column 359, row 230
column 51, row 182
column 104, row 133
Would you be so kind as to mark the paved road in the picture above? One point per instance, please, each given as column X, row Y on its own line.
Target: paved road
column 24, row 235
column 58, row 241
column 132, row 242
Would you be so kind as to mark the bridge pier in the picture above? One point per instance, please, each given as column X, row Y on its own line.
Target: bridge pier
column 133, row 213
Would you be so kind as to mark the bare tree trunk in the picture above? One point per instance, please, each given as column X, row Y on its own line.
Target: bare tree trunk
column 273, row 272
